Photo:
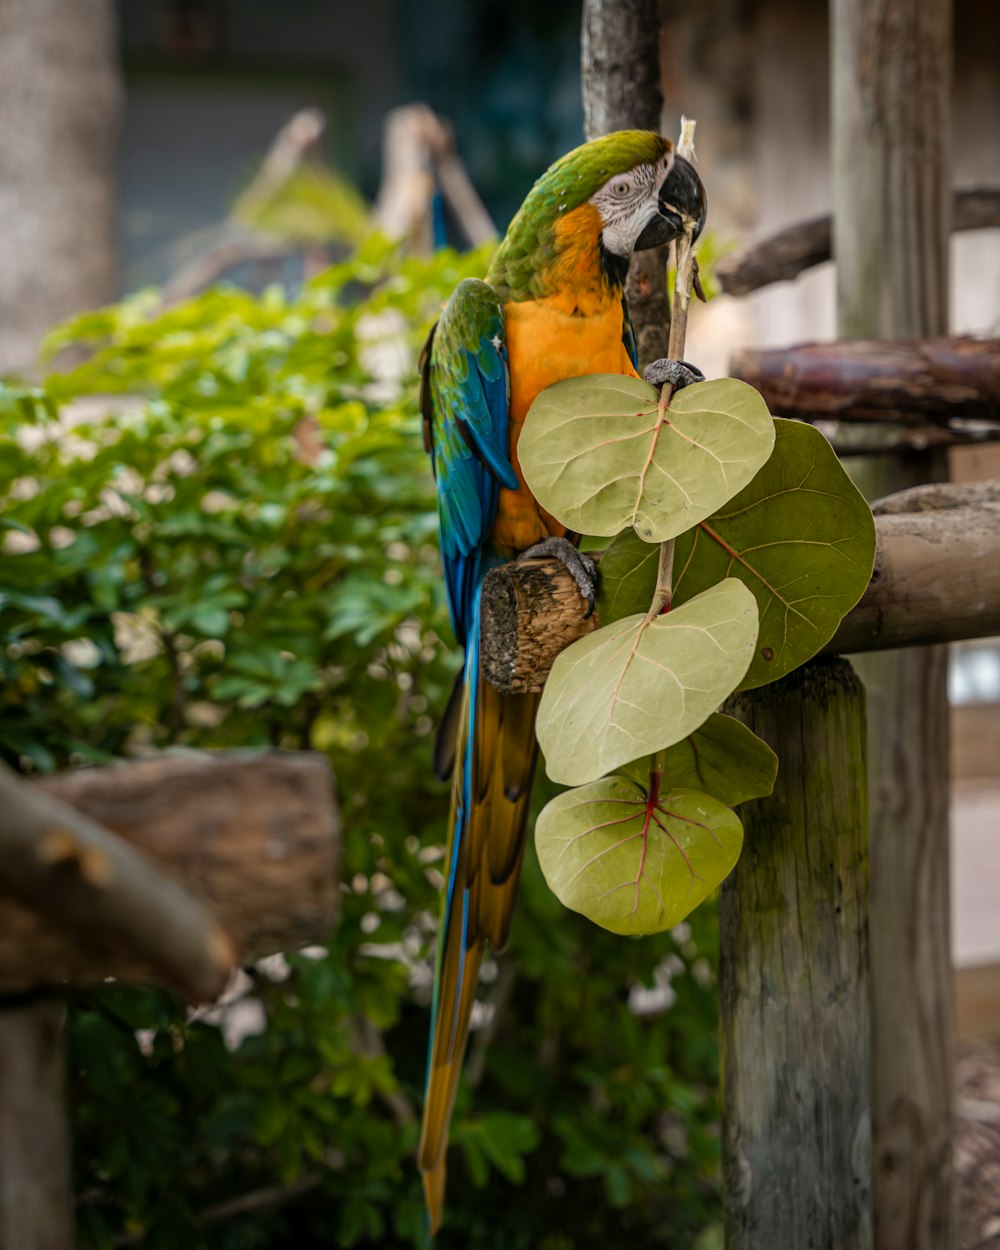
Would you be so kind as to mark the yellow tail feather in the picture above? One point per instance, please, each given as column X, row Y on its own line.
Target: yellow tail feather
column 490, row 851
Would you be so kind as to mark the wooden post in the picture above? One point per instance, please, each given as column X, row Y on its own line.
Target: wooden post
column 794, row 978
column 36, row 1207
column 620, row 71
column 891, row 119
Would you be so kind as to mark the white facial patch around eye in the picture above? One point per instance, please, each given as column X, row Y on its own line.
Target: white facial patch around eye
column 628, row 203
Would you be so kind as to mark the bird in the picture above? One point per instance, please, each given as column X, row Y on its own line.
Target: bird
column 552, row 307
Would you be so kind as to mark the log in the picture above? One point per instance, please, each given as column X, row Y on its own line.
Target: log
column 793, row 978
column 788, row 252
column 530, row 611
column 941, row 380
column 936, row 579
column 252, row 835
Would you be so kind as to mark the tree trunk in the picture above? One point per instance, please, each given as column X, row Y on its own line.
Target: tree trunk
column 794, row 978
column 620, row 65
column 35, row 1204
column 891, row 87
column 60, row 102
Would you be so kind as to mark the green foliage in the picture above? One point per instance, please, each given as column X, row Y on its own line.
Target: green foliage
column 802, row 538
column 601, row 454
column 723, row 758
column 598, row 853
column 738, row 500
column 238, row 548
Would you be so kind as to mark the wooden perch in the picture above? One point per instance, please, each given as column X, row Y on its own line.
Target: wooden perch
column 530, row 611
column 941, row 380
column 164, row 869
column 785, row 254
column 936, row 579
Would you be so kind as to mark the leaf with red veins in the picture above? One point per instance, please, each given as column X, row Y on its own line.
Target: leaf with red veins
column 632, row 860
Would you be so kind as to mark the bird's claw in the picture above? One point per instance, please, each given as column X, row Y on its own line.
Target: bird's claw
column 677, row 372
column 579, row 566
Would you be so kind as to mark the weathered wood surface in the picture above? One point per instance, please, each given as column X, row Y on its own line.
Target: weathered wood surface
column 912, row 978
column 939, row 380
column 793, row 977
column 36, row 1205
column 891, row 90
column 782, row 256
column 620, row 78
column 251, row 837
column 531, row 610
column 61, row 100
column 936, row 579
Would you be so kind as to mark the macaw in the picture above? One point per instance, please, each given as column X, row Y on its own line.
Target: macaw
column 552, row 307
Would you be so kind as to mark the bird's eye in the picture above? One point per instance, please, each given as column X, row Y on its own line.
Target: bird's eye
column 621, row 188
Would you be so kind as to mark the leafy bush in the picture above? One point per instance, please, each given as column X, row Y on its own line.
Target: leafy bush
column 227, row 539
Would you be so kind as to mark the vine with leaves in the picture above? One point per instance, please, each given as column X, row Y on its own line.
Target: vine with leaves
column 739, row 543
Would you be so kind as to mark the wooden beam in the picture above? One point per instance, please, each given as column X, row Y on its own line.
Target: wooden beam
column 243, row 844
column 932, row 380
column 782, row 256
column 793, row 977
column 936, row 579
column 892, row 136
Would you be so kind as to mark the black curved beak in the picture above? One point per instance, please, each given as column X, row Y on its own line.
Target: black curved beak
column 681, row 200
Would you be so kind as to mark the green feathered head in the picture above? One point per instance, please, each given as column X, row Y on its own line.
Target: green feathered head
column 578, row 175
column 609, row 196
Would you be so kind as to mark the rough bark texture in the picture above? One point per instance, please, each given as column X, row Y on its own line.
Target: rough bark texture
column 795, row 1026
column 784, row 255
column 35, row 1206
column 912, row 977
column 891, row 139
column 939, row 380
column 531, row 610
column 936, row 579
column 892, row 136
column 620, row 64
column 60, row 101
column 85, row 879
column 254, row 835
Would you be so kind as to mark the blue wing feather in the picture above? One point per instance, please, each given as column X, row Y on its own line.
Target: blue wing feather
column 467, row 396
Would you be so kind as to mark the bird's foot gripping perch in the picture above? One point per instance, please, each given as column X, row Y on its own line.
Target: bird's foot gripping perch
column 580, row 567
column 677, row 372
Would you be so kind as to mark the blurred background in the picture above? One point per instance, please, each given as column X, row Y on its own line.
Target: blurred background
column 176, row 143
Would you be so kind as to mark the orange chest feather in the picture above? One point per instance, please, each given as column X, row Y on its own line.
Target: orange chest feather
column 549, row 340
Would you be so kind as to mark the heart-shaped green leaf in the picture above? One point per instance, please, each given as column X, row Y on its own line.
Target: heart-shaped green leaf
column 599, row 455
column 800, row 536
column 723, row 758
column 631, row 862
column 637, row 686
